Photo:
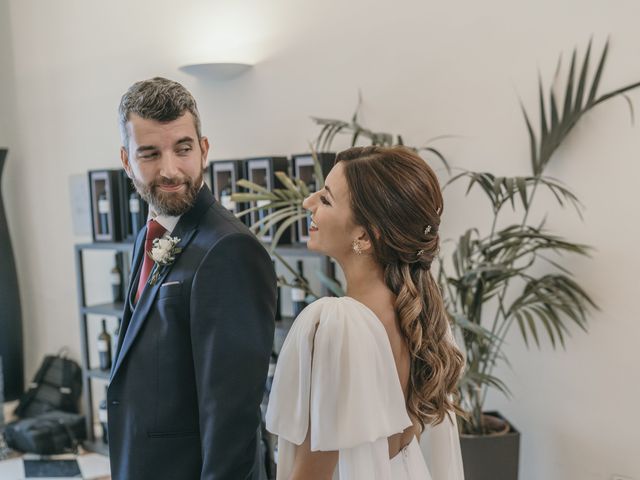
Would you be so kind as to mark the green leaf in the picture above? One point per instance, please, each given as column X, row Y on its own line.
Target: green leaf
column 254, row 186
column 282, row 228
column 596, row 80
column 582, row 81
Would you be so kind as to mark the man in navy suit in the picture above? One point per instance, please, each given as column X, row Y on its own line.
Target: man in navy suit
column 197, row 330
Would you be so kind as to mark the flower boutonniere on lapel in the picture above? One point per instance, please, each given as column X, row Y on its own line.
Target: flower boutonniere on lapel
column 163, row 253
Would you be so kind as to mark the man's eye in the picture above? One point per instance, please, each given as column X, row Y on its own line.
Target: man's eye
column 148, row 156
column 184, row 150
column 324, row 200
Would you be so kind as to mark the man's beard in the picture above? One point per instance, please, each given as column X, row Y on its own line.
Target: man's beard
column 169, row 203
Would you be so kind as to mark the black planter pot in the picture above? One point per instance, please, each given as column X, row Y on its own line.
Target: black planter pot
column 491, row 457
column 10, row 316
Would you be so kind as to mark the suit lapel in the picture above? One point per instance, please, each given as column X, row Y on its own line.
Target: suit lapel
column 185, row 230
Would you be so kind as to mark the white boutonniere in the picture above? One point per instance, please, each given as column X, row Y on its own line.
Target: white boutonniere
column 163, row 253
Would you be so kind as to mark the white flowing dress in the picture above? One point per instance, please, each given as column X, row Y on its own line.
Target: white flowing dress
column 336, row 376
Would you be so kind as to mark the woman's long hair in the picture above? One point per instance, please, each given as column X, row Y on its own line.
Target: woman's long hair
column 396, row 198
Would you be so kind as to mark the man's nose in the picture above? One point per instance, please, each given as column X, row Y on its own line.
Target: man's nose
column 169, row 167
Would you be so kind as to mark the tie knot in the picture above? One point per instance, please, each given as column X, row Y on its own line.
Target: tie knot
column 154, row 230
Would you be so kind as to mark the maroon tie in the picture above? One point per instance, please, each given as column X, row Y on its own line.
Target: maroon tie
column 154, row 230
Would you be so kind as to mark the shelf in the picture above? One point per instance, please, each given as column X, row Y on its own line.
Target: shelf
column 97, row 373
column 111, row 309
column 118, row 246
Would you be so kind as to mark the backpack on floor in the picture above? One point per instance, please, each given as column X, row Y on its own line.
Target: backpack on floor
column 57, row 385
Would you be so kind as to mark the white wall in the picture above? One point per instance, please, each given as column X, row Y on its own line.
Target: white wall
column 425, row 69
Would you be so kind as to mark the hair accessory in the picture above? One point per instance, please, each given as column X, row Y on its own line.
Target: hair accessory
column 427, row 230
column 356, row 247
column 420, row 252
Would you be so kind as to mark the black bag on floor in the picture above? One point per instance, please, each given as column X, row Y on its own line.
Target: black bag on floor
column 57, row 385
column 47, row 434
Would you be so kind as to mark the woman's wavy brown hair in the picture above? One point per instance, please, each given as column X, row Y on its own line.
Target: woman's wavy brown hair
column 396, row 198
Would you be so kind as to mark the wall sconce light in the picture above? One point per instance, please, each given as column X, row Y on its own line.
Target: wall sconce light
column 216, row 70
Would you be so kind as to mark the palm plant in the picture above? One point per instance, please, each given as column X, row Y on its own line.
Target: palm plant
column 285, row 204
column 493, row 285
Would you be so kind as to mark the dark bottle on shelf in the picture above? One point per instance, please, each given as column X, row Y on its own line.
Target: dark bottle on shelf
column 332, row 277
column 116, row 284
column 298, row 293
column 102, row 416
column 135, row 211
column 103, row 212
column 104, row 347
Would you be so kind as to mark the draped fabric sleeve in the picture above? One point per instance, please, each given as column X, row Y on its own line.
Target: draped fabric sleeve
column 441, row 444
column 337, row 377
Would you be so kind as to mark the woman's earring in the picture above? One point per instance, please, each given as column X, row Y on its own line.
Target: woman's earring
column 356, row 247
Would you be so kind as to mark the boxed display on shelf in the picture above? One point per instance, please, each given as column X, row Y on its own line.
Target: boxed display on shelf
column 104, row 194
column 224, row 176
column 304, row 169
column 262, row 172
column 133, row 209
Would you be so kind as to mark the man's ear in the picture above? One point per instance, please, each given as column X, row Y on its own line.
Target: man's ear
column 204, row 148
column 124, row 158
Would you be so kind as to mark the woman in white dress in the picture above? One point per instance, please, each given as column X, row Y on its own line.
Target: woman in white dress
column 361, row 378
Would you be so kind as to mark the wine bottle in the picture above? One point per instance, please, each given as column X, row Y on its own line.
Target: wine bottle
column 298, row 293
column 103, row 417
column 103, row 213
column 116, row 284
column 135, row 211
column 104, row 347
column 332, row 277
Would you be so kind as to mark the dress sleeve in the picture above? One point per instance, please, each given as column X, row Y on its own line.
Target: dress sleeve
column 441, row 443
column 336, row 375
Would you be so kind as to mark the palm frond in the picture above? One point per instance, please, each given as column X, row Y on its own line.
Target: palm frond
column 553, row 132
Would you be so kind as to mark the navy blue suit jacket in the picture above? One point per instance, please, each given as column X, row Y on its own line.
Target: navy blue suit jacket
column 192, row 357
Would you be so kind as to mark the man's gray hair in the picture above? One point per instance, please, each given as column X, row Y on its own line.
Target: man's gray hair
column 157, row 99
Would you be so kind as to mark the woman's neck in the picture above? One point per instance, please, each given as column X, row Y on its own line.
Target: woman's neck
column 365, row 281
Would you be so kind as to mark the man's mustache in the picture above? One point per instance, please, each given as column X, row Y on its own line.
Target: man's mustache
column 170, row 182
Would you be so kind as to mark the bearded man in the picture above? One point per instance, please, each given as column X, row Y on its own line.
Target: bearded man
column 197, row 329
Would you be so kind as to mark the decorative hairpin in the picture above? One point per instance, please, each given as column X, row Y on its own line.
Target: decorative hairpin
column 427, row 230
column 420, row 252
